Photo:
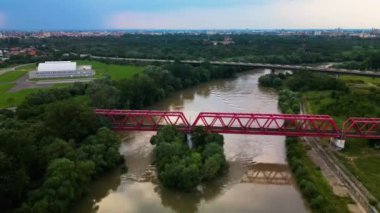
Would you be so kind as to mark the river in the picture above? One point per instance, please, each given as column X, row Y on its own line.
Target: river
column 258, row 179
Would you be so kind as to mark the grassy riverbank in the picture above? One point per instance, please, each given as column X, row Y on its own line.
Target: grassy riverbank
column 313, row 185
column 359, row 155
column 115, row 71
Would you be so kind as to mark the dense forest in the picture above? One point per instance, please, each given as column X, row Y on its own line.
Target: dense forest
column 354, row 52
column 53, row 145
column 50, row 150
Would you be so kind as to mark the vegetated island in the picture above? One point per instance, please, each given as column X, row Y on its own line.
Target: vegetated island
column 183, row 168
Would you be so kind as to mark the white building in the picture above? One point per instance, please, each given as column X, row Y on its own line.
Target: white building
column 61, row 69
column 56, row 66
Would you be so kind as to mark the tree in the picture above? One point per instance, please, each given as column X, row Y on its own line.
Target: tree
column 64, row 182
column 103, row 96
column 101, row 149
column 212, row 166
column 70, row 119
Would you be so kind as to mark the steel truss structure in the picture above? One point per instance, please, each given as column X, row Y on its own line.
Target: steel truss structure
column 244, row 123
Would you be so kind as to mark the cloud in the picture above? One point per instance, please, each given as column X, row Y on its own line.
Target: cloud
column 275, row 14
column 2, row 19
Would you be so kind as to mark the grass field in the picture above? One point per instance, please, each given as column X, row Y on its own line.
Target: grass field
column 5, row 87
column 368, row 81
column 116, row 72
column 11, row 76
column 8, row 99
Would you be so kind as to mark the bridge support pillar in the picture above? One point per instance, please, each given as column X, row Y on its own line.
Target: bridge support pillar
column 189, row 141
column 338, row 143
column 272, row 71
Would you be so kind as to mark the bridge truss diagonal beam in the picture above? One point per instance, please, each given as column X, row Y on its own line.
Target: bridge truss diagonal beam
column 268, row 124
column 144, row 120
column 361, row 128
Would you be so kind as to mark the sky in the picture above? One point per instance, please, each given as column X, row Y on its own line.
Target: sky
column 188, row 14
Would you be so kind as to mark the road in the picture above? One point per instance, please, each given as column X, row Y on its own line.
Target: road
column 255, row 65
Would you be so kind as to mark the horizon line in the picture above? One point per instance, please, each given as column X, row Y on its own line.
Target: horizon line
column 181, row 29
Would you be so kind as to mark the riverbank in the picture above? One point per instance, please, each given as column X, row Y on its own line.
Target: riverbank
column 311, row 181
column 302, row 157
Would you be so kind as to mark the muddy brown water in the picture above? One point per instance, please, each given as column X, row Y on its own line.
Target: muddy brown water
column 258, row 179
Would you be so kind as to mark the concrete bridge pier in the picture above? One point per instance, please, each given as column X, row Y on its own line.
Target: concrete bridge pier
column 189, row 140
column 339, row 143
column 272, row 71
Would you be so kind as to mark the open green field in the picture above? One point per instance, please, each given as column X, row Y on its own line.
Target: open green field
column 11, row 76
column 5, row 87
column 116, row 72
column 314, row 100
column 8, row 99
column 367, row 81
column 27, row 68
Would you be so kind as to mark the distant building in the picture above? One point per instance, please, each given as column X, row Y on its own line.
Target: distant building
column 61, row 69
column 3, row 55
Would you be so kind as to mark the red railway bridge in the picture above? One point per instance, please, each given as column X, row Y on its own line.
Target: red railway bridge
column 244, row 123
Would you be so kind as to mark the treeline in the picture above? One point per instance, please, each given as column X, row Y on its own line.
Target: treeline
column 182, row 168
column 302, row 81
column 246, row 47
column 310, row 181
column 50, row 149
column 362, row 59
column 289, row 101
column 154, row 84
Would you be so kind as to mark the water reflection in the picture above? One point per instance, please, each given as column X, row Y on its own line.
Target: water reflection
column 99, row 189
column 266, row 173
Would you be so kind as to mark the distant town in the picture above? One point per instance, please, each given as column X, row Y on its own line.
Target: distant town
column 362, row 33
